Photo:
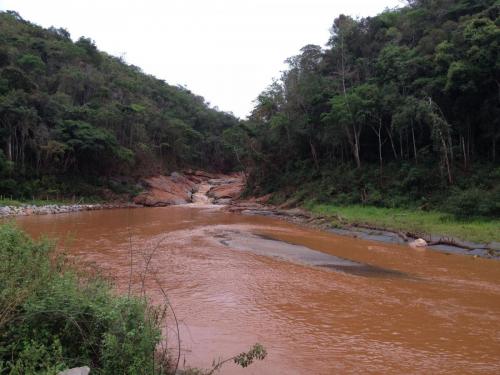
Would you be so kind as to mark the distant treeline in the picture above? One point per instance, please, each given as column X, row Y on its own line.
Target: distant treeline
column 68, row 110
column 399, row 109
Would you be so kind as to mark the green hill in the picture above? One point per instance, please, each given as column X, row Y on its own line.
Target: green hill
column 71, row 116
column 400, row 109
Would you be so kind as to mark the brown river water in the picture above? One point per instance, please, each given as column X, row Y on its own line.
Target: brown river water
column 320, row 303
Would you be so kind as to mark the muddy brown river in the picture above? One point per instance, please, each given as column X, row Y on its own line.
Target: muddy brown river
column 319, row 303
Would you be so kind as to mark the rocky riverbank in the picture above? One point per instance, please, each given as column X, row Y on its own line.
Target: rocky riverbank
column 188, row 187
column 203, row 188
column 161, row 190
column 50, row 209
column 360, row 230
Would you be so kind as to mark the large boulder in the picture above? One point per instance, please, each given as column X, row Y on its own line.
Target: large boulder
column 227, row 188
column 203, row 174
column 199, row 176
column 418, row 243
column 166, row 190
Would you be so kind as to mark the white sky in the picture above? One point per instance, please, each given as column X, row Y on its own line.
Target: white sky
column 228, row 51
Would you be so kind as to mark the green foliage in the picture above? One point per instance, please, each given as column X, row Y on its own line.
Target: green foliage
column 36, row 358
column 256, row 352
column 472, row 202
column 413, row 220
column 50, row 319
column 6, row 167
column 87, row 144
column 31, row 63
column 245, row 359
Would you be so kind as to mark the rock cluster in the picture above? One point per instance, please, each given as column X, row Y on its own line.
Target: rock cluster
column 226, row 189
column 27, row 209
column 76, row 371
column 166, row 190
column 175, row 189
column 180, row 188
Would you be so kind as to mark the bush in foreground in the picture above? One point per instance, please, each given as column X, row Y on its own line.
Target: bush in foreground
column 51, row 319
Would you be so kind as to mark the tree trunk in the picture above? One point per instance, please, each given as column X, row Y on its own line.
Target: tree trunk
column 392, row 144
column 354, row 143
column 380, row 151
column 9, row 148
column 446, row 159
column 414, row 144
column 493, row 148
column 462, row 140
column 469, row 136
column 356, row 147
column 378, row 132
column 450, row 143
column 314, row 154
column 401, row 144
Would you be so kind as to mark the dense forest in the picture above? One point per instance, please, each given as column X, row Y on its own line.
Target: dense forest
column 71, row 116
column 400, row 109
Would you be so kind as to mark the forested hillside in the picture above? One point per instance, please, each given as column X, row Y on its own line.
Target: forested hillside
column 401, row 109
column 71, row 116
column 398, row 110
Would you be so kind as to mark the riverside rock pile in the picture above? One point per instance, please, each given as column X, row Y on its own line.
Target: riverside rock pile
column 166, row 190
column 27, row 209
column 226, row 189
column 180, row 188
column 174, row 189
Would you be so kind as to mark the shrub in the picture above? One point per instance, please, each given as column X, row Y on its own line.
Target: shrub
column 473, row 202
column 51, row 319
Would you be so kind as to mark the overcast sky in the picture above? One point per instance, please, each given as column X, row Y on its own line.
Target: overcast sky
column 228, row 51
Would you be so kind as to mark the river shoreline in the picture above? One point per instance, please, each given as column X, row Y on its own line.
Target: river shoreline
column 364, row 231
column 200, row 188
column 297, row 216
column 53, row 209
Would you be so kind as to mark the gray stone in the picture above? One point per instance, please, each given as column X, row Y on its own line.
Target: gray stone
column 494, row 245
column 5, row 210
column 419, row 242
column 76, row 371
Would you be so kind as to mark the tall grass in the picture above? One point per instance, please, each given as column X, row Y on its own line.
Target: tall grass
column 418, row 221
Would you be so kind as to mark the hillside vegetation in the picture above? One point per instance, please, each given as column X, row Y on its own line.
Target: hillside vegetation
column 71, row 116
column 399, row 110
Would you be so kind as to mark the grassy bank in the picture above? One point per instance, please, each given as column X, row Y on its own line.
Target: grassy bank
column 417, row 221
